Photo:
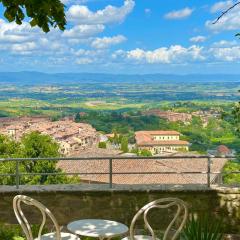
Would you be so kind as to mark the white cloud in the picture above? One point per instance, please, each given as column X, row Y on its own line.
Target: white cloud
column 106, row 42
column 228, row 22
column 82, row 61
column 24, row 40
column 23, row 48
column 173, row 54
column 176, row 54
column 228, row 54
column 198, row 39
column 179, row 14
column 224, row 43
column 221, row 6
column 68, row 2
column 147, row 11
column 13, row 33
column 83, row 31
column 225, row 51
column 82, row 15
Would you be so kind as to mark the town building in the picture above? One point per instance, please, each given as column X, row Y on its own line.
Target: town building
column 71, row 136
column 158, row 142
column 170, row 116
column 206, row 115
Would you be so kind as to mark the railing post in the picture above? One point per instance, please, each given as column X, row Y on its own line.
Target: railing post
column 209, row 172
column 17, row 174
column 110, row 173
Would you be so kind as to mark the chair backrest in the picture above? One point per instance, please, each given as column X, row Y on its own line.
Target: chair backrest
column 163, row 203
column 24, row 222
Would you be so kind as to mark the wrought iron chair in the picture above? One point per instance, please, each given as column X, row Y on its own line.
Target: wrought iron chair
column 57, row 235
column 159, row 204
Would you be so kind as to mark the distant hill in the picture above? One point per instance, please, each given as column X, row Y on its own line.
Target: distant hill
column 32, row 78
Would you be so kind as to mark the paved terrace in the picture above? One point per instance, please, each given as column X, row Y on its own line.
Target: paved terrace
column 120, row 201
column 72, row 202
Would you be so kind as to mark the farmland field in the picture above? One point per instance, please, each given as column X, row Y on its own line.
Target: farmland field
column 62, row 94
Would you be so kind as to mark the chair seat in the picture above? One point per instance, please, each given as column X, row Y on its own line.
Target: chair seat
column 141, row 237
column 64, row 236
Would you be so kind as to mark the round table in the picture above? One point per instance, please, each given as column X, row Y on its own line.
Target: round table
column 97, row 228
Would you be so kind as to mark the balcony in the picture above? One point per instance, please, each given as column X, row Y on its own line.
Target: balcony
column 116, row 187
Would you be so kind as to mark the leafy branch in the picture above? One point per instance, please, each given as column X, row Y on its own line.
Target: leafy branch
column 42, row 13
column 226, row 12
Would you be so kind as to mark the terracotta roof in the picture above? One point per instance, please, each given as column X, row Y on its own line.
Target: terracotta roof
column 159, row 132
column 223, row 149
column 163, row 143
column 145, row 138
column 123, row 167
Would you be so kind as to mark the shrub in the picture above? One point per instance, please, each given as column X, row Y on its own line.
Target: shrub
column 145, row 153
column 124, row 144
column 102, row 145
column 202, row 228
column 10, row 232
column 14, row 232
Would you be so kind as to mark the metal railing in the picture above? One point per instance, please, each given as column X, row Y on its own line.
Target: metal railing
column 208, row 172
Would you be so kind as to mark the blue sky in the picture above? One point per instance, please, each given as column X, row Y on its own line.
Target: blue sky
column 128, row 36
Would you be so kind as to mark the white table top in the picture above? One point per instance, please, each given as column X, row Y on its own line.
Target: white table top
column 98, row 228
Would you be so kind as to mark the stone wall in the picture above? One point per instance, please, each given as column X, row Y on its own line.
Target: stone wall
column 78, row 202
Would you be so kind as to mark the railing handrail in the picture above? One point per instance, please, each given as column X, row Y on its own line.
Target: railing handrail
column 113, row 158
column 110, row 159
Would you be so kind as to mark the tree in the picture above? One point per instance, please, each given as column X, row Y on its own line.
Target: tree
column 200, row 142
column 32, row 145
column 42, row 13
column 236, row 115
column 124, row 144
column 231, row 178
column 37, row 145
column 8, row 147
column 77, row 117
column 226, row 12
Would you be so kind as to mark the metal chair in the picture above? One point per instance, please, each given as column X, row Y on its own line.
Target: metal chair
column 159, row 204
column 57, row 235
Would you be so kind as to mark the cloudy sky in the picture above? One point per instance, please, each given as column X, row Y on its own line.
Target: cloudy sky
column 128, row 36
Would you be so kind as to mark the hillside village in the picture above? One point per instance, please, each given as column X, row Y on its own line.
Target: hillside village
column 186, row 118
column 74, row 138
column 71, row 136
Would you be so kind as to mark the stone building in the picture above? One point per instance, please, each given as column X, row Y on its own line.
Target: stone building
column 170, row 116
column 71, row 136
column 158, row 142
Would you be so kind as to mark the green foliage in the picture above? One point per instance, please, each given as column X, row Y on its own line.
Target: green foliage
column 124, row 125
column 41, row 13
column 14, row 232
column 236, row 115
column 36, row 145
column 10, row 232
column 124, row 144
column 199, row 140
column 8, row 147
column 32, row 145
column 202, row 228
column 77, row 117
column 144, row 153
column 231, row 178
column 102, row 145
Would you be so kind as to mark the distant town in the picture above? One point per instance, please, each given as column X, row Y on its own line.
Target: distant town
column 75, row 138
